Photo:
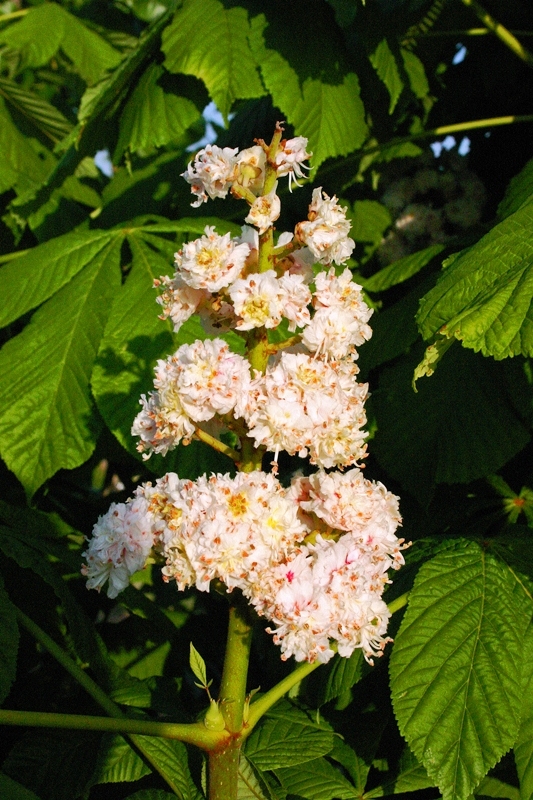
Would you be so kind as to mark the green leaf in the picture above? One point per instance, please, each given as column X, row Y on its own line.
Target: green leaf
column 12, row 790
column 416, row 73
column 10, row 643
column 318, row 781
column 383, row 61
column 456, row 667
column 338, row 677
column 153, row 117
column 250, row 787
column 47, row 422
column 211, row 43
column 401, row 270
column 370, row 220
column 170, row 757
column 330, row 115
column 287, row 739
column 355, row 766
column 118, row 762
column 197, row 664
column 411, row 777
column 484, row 297
column 523, row 747
column 460, row 426
column 25, row 163
column 88, row 51
column 38, row 111
column 492, row 787
column 31, row 279
column 151, row 794
column 518, row 192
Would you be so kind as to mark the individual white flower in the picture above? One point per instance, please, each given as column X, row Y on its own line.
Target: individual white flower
column 212, row 173
column 121, row 542
column 326, row 230
column 251, row 164
column 257, row 300
column 265, row 211
column 295, row 297
column 178, row 300
column 212, row 261
column 162, row 423
column 290, row 157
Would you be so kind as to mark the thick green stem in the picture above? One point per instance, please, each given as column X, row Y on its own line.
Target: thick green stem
column 235, row 671
column 501, row 32
column 223, row 773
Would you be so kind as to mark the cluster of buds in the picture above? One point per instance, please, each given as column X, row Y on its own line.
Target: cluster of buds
column 312, row 558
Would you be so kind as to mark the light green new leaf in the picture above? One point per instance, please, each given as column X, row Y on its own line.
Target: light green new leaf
column 401, row 270
column 197, row 664
column 318, row 781
column 117, row 762
column 416, row 73
column 456, row 667
column 519, row 191
column 286, row 740
column 36, row 109
column 210, row 42
column 10, row 642
column 153, row 117
column 24, row 161
column 31, row 279
column 484, row 297
column 46, row 418
column 12, row 790
column 330, row 115
column 383, row 61
column 88, row 51
column 170, row 756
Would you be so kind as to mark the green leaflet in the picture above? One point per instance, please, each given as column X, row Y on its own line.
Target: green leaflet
column 370, row 220
column 287, row 739
column 329, row 112
column 355, row 766
column 410, row 777
column 153, row 117
column 318, row 781
column 210, row 42
column 170, row 756
column 338, row 677
column 13, row 790
column 90, row 53
column 118, row 762
column 484, row 297
column 518, row 192
column 523, row 748
column 31, row 279
column 456, row 666
column 47, row 420
column 461, row 425
column 10, row 642
column 21, row 166
column 401, row 270
column 250, row 787
column 383, row 61
column 416, row 73
column 36, row 109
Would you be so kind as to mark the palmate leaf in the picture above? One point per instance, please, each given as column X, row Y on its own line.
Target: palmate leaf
column 10, row 641
column 46, row 419
column 153, row 117
column 89, row 52
column 330, row 114
column 211, row 42
column 318, row 781
column 383, row 61
column 456, row 674
column 484, row 297
column 461, row 425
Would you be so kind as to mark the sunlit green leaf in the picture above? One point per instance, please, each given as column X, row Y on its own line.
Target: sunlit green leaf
column 518, row 192
column 384, row 62
column 197, row 664
column 318, row 781
column 287, row 739
column 456, row 667
column 210, row 42
column 38, row 111
column 24, row 161
column 46, row 419
column 416, row 73
column 484, row 297
column 401, row 270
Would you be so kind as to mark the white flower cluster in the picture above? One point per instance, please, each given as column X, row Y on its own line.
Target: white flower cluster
column 311, row 559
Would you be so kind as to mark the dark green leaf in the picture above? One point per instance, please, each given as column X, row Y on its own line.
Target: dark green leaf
column 338, row 677
column 318, row 781
column 383, row 61
column 523, row 747
column 461, row 425
column 153, row 117
column 411, row 777
column 42, row 114
column 151, row 794
column 10, row 642
column 25, row 163
column 12, row 790
column 210, row 42
column 287, row 739
column 518, row 192
column 118, row 762
column 484, row 297
column 47, row 422
column 250, row 786
column 170, row 757
column 456, row 667
column 355, row 766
